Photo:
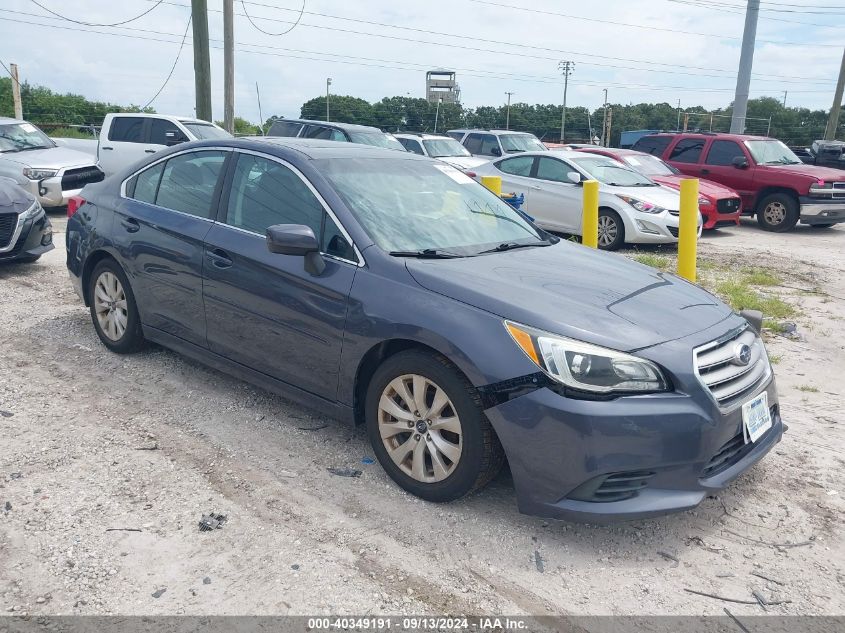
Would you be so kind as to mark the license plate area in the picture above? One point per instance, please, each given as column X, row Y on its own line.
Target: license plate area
column 756, row 417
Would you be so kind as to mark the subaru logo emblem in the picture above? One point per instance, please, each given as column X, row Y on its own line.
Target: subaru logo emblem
column 742, row 354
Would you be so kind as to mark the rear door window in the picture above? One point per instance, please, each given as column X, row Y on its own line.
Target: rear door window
column 284, row 128
column 189, row 181
column 473, row 143
column 128, row 129
column 517, row 166
column 654, row 145
column 145, row 186
column 724, row 152
column 688, row 150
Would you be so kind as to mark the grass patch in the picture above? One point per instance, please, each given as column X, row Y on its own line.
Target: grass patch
column 760, row 277
column 660, row 262
column 775, row 359
column 807, row 389
column 740, row 296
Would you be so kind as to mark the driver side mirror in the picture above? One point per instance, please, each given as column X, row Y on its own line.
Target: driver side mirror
column 296, row 240
column 496, row 151
column 574, row 177
column 740, row 162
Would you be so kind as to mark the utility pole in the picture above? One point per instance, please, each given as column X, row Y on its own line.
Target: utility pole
column 567, row 68
column 784, row 98
column 833, row 121
column 604, row 120
column 746, row 60
column 328, row 83
column 229, row 66
column 16, row 91
column 609, row 124
column 202, row 62
column 678, row 127
column 260, row 115
column 437, row 113
column 508, row 116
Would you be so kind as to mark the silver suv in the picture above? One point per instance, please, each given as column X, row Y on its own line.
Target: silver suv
column 440, row 147
column 493, row 143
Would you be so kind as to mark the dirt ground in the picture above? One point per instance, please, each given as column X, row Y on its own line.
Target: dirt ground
column 91, row 441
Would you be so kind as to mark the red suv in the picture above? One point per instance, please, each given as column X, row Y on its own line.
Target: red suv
column 773, row 182
column 719, row 205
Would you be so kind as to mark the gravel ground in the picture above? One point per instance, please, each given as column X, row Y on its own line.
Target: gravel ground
column 107, row 464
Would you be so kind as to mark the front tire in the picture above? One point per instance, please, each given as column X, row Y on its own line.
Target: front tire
column 427, row 428
column 778, row 213
column 611, row 230
column 113, row 309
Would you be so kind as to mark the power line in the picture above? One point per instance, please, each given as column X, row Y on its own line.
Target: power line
column 173, row 67
column 251, row 21
column 738, row 10
column 59, row 15
column 10, row 73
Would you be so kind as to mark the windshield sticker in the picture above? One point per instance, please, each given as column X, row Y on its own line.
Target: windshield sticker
column 458, row 176
column 29, row 128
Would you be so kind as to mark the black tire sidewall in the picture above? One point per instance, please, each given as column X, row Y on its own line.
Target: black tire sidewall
column 466, row 473
column 620, row 233
column 792, row 213
column 132, row 338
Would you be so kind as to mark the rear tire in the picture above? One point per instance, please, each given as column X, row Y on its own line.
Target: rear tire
column 611, row 230
column 113, row 308
column 421, row 410
column 778, row 212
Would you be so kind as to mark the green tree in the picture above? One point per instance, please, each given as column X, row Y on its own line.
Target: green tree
column 242, row 127
column 342, row 108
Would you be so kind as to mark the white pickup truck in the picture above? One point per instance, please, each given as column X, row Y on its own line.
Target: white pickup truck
column 126, row 138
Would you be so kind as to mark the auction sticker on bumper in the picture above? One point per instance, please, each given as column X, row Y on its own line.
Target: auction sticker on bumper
column 756, row 417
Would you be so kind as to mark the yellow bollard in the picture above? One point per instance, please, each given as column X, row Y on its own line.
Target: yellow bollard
column 590, row 215
column 493, row 183
column 688, row 229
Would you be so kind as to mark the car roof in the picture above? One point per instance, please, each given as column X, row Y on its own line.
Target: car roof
column 480, row 130
column 352, row 127
column 8, row 120
column 306, row 147
column 719, row 135
column 160, row 115
column 615, row 151
column 422, row 135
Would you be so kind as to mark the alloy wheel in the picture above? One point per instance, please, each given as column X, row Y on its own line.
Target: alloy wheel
column 420, row 428
column 608, row 230
column 110, row 306
column 775, row 213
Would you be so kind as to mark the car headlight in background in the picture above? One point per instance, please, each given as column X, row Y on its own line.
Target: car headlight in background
column 586, row 367
column 704, row 202
column 39, row 174
column 641, row 205
column 32, row 212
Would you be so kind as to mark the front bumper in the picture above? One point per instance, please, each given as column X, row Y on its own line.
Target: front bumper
column 714, row 219
column 660, row 228
column 821, row 211
column 561, row 449
column 32, row 238
column 49, row 191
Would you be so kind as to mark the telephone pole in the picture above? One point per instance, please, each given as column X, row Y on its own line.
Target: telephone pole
column 604, row 120
column 508, row 116
column 833, row 121
column 328, row 83
column 16, row 91
column 565, row 67
column 202, row 62
column 746, row 59
column 229, row 66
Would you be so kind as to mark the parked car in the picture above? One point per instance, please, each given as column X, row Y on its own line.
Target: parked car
column 126, row 138
column 718, row 205
column 25, row 231
column 52, row 174
column 824, row 154
column 391, row 289
column 495, row 143
column 771, row 180
column 343, row 132
column 632, row 208
column 444, row 148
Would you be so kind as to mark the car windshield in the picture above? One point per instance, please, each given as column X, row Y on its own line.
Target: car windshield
column 18, row 137
column 206, row 131
column 649, row 165
column 512, row 143
column 438, row 148
column 772, row 152
column 415, row 205
column 610, row 172
column 376, row 139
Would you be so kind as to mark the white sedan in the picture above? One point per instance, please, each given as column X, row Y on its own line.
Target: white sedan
column 632, row 208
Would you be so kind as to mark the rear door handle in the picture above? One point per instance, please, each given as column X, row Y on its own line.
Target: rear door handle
column 106, row 148
column 149, row 151
column 131, row 225
column 219, row 258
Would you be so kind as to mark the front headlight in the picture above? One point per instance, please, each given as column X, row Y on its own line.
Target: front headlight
column 704, row 202
column 32, row 212
column 641, row 205
column 586, row 367
column 39, row 174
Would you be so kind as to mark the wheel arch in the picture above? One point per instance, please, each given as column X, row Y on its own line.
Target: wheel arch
column 765, row 192
column 88, row 267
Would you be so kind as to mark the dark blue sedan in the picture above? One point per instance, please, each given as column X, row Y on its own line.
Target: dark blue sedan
column 393, row 290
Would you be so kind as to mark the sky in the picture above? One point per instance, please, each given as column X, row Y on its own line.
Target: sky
column 639, row 50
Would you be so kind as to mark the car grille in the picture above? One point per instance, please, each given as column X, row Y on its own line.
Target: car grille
column 723, row 373
column 731, row 451
column 728, row 205
column 612, row 487
column 8, row 224
column 78, row 178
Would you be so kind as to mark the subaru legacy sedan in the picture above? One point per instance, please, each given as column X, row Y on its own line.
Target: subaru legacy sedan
column 392, row 290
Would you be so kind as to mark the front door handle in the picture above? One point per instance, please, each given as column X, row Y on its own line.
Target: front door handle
column 705, row 171
column 219, row 258
column 131, row 225
column 149, row 151
column 106, row 148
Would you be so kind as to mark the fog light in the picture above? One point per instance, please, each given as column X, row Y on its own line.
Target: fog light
column 42, row 191
column 647, row 227
column 47, row 238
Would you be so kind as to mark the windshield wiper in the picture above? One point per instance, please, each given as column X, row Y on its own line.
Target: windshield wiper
column 509, row 246
column 426, row 253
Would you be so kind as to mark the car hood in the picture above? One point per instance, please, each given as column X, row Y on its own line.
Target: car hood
column 812, row 171
column 463, row 162
column 575, row 291
column 14, row 199
column 660, row 195
column 706, row 187
column 51, row 158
